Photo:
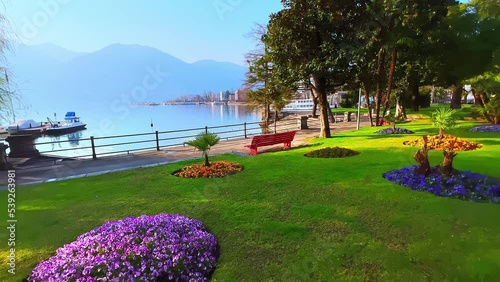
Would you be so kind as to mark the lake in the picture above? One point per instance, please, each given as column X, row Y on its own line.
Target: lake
column 103, row 121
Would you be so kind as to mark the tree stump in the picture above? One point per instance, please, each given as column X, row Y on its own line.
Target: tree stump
column 446, row 167
column 422, row 158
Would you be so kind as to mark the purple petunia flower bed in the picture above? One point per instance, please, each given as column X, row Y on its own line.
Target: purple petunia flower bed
column 162, row 247
column 486, row 128
column 397, row 130
column 463, row 185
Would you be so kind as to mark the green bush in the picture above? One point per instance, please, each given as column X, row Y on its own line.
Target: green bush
column 332, row 152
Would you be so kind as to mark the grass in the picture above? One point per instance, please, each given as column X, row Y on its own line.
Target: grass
column 291, row 218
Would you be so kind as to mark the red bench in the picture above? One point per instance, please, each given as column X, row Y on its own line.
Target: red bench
column 271, row 139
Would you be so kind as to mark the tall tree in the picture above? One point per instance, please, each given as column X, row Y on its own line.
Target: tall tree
column 473, row 44
column 309, row 41
column 7, row 96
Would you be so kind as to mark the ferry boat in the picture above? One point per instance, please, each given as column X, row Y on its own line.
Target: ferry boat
column 304, row 105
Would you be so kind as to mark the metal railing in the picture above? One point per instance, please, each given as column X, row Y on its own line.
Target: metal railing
column 95, row 147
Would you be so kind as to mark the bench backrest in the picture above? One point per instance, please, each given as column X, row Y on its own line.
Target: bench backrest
column 271, row 139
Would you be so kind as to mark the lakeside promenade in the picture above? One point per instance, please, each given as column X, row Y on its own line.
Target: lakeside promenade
column 56, row 169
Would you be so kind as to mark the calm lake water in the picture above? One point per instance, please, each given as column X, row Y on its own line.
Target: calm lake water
column 133, row 119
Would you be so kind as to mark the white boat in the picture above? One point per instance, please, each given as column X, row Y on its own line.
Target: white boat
column 3, row 130
column 71, row 123
column 304, row 105
column 26, row 126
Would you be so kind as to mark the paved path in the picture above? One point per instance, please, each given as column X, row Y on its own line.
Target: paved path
column 57, row 169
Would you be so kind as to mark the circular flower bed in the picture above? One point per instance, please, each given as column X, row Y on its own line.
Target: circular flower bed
column 486, row 128
column 462, row 185
column 215, row 170
column 437, row 143
column 163, row 247
column 332, row 152
column 397, row 130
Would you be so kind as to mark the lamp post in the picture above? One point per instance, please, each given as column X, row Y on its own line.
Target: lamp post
column 359, row 110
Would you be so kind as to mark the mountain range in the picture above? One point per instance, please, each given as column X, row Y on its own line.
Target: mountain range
column 129, row 73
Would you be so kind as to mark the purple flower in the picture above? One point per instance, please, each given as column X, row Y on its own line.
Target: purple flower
column 397, row 130
column 465, row 185
column 486, row 128
column 146, row 248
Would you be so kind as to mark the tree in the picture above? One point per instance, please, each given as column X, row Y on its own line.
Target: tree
column 309, row 41
column 265, row 89
column 6, row 95
column 472, row 35
column 203, row 142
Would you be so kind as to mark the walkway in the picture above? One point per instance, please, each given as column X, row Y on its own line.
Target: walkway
column 50, row 169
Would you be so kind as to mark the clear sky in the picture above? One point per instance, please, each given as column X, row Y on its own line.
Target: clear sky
column 191, row 30
column 188, row 29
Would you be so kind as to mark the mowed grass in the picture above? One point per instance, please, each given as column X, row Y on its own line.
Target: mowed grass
column 287, row 217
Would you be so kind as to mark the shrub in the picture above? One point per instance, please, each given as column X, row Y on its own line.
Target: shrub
column 462, row 185
column 214, row 170
column 397, row 130
column 444, row 118
column 438, row 143
column 163, row 247
column 332, row 152
column 204, row 141
column 486, row 128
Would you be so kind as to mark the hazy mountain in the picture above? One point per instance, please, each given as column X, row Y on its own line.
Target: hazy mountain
column 118, row 72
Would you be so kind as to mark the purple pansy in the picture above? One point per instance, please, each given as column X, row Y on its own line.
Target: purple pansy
column 397, row 130
column 164, row 247
column 464, row 185
column 486, row 128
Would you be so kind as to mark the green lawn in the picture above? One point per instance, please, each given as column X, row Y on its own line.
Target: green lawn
column 291, row 218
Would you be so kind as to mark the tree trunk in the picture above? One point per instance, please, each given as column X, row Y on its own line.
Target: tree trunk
column 441, row 133
column 366, row 93
column 320, row 88
column 206, row 159
column 331, row 118
column 315, row 106
column 446, row 167
column 477, row 98
column 414, row 94
column 387, row 98
column 456, row 98
column 380, row 83
column 422, row 157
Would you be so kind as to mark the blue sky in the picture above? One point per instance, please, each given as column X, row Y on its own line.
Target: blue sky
column 191, row 30
column 188, row 29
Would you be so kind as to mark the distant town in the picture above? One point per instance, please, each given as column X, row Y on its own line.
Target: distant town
column 223, row 97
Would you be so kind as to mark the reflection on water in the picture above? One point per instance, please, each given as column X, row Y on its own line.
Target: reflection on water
column 74, row 138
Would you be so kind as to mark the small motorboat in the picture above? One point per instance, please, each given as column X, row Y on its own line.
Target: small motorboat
column 26, row 126
column 71, row 123
column 3, row 130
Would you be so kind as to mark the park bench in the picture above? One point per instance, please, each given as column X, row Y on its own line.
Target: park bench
column 271, row 139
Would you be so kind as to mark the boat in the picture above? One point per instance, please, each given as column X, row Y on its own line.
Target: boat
column 3, row 130
column 26, row 126
column 304, row 105
column 71, row 123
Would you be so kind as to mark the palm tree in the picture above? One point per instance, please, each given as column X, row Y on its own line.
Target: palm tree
column 444, row 118
column 204, row 142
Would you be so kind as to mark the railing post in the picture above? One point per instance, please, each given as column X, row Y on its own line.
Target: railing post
column 157, row 142
column 206, row 129
column 93, row 147
column 245, row 129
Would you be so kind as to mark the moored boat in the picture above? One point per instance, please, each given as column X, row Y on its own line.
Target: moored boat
column 26, row 126
column 71, row 123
